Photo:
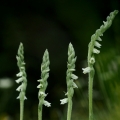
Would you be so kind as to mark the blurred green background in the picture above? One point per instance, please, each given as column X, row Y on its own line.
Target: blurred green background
column 52, row 24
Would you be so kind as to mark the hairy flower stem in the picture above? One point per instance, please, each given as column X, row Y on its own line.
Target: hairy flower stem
column 69, row 109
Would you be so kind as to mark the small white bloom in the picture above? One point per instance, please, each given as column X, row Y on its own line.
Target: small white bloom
column 74, row 76
column 63, row 101
column 46, row 103
column 39, row 86
column 39, row 80
column 96, row 51
column 97, row 44
column 92, row 60
column 86, row 70
column 74, row 85
column 19, row 74
column 99, row 39
column 19, row 88
column 18, row 97
column 66, row 93
column 25, row 98
column 19, row 80
column 42, row 93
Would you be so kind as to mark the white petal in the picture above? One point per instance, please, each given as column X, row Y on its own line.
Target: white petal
column 18, row 97
column 39, row 86
column 96, row 51
column 86, row 70
column 25, row 98
column 46, row 103
column 19, row 88
column 74, row 76
column 99, row 39
column 97, row 44
column 42, row 94
column 92, row 60
column 63, row 101
column 19, row 80
column 39, row 80
column 66, row 93
column 74, row 85
column 19, row 74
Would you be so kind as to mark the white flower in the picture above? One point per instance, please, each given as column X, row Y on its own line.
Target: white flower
column 92, row 60
column 96, row 51
column 39, row 86
column 19, row 74
column 24, row 97
column 63, row 101
column 97, row 44
column 99, row 39
column 86, row 70
column 46, row 103
column 74, row 85
column 42, row 93
column 19, row 80
column 19, row 88
column 74, row 76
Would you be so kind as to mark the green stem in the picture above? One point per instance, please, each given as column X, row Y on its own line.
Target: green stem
column 69, row 108
column 39, row 112
column 91, row 76
column 21, row 109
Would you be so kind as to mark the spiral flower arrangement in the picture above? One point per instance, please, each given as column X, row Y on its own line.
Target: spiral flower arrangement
column 22, row 78
column 70, row 77
column 43, row 84
column 93, row 49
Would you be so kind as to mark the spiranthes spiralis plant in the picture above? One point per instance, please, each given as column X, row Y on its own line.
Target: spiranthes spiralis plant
column 92, row 49
column 70, row 77
column 43, row 84
column 22, row 79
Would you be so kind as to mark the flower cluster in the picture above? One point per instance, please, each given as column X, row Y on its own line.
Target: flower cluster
column 22, row 74
column 95, row 38
column 70, row 77
column 43, row 81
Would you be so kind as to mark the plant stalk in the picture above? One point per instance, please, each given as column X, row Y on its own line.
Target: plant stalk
column 91, row 76
column 69, row 108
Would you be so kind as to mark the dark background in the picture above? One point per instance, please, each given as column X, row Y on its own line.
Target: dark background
column 52, row 25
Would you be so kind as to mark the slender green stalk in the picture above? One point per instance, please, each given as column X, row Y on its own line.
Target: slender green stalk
column 22, row 79
column 90, row 94
column 21, row 109
column 91, row 59
column 43, row 84
column 69, row 109
column 70, row 77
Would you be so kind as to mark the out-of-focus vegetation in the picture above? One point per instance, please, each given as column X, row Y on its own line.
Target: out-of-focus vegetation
column 52, row 25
